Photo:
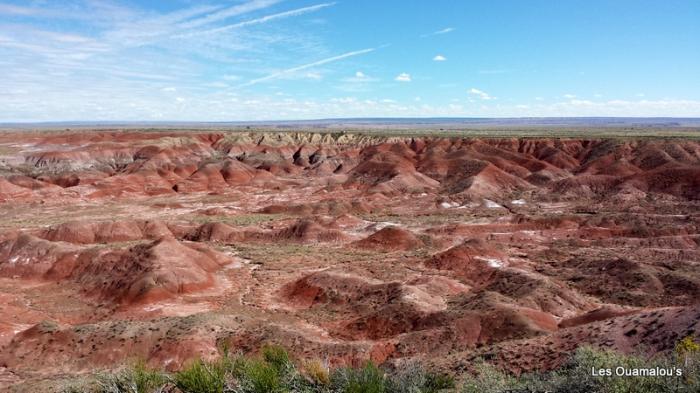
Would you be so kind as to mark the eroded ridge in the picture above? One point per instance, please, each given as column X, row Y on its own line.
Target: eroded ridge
column 164, row 245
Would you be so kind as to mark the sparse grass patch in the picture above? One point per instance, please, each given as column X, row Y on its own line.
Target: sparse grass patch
column 242, row 220
column 139, row 378
column 367, row 379
column 257, row 376
column 262, row 253
column 202, row 377
column 577, row 377
column 318, row 373
column 413, row 378
column 274, row 372
column 277, row 357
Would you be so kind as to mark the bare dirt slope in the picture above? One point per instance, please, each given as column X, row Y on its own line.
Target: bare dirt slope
column 164, row 245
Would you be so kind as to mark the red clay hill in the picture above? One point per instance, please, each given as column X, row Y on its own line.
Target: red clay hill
column 341, row 246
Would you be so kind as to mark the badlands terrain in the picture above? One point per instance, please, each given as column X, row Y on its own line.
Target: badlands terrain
column 166, row 245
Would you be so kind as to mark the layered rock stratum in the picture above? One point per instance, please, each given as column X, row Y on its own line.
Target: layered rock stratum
column 341, row 246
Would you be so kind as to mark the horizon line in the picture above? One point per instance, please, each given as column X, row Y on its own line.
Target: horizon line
column 379, row 118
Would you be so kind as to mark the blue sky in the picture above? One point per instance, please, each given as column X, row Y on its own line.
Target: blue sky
column 222, row 60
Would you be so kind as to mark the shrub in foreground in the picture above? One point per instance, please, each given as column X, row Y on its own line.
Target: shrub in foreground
column 139, row 378
column 274, row 372
column 577, row 376
column 367, row 379
column 202, row 377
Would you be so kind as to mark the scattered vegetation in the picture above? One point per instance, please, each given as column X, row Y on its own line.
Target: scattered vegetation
column 688, row 350
column 262, row 253
column 271, row 372
column 241, row 220
column 274, row 372
column 202, row 377
column 577, row 376
column 139, row 378
column 367, row 379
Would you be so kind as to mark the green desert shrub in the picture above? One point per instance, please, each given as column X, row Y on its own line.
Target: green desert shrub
column 436, row 382
column 367, row 379
column 258, row 376
column 202, row 377
column 576, row 376
column 579, row 373
column 138, row 378
column 277, row 357
column 317, row 373
column 413, row 378
column 273, row 371
column 488, row 379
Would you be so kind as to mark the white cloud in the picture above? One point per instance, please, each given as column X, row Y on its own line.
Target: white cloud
column 672, row 108
column 199, row 78
column 344, row 100
column 17, row 10
column 235, row 10
column 445, row 30
column 539, row 99
column 122, row 104
column 481, row 94
column 314, row 75
column 264, row 19
column 360, row 77
column 403, row 77
column 438, row 32
column 306, row 66
column 569, row 96
column 439, row 58
column 356, row 83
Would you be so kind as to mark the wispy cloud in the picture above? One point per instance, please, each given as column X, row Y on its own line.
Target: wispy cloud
column 314, row 75
column 264, row 19
column 481, row 94
column 188, row 61
column 403, row 77
column 307, row 66
column 569, row 96
column 438, row 32
column 236, row 10
column 359, row 82
column 47, row 58
column 360, row 78
column 18, row 10
column 494, row 71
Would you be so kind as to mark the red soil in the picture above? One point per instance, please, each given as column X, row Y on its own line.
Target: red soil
column 344, row 247
column 390, row 239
